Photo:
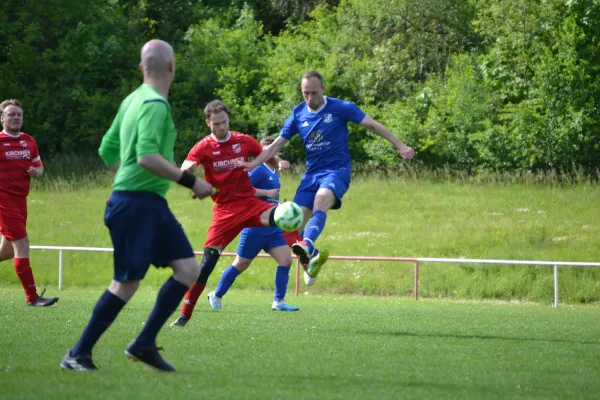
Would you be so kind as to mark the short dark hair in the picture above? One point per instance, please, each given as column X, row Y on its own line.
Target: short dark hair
column 313, row 74
column 215, row 107
column 9, row 102
column 267, row 140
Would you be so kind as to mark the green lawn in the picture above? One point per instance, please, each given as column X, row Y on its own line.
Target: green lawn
column 391, row 217
column 335, row 347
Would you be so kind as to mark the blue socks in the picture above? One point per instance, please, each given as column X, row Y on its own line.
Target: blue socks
column 169, row 297
column 314, row 228
column 282, row 277
column 227, row 279
column 105, row 312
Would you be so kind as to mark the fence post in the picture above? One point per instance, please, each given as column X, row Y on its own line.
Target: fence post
column 417, row 280
column 60, row 269
column 297, row 275
column 556, row 286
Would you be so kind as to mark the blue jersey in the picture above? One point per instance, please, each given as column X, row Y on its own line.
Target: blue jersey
column 263, row 177
column 324, row 133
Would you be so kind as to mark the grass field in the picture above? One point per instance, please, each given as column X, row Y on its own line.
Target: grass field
column 335, row 347
column 404, row 216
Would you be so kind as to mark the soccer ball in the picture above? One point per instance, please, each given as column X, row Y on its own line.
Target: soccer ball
column 288, row 216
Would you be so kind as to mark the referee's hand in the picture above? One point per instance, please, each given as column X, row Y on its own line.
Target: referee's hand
column 201, row 189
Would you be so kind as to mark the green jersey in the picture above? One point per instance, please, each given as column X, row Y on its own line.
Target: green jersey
column 143, row 125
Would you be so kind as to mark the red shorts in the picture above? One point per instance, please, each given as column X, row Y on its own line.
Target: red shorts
column 13, row 217
column 230, row 218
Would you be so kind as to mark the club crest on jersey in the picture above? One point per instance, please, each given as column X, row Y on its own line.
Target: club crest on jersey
column 327, row 118
column 237, row 148
column 23, row 143
column 315, row 137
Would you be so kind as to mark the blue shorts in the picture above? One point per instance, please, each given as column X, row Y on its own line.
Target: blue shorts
column 251, row 243
column 143, row 231
column 336, row 181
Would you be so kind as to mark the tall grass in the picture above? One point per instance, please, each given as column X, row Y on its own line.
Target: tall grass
column 409, row 211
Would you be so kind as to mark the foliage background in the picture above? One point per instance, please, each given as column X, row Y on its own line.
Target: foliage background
column 472, row 85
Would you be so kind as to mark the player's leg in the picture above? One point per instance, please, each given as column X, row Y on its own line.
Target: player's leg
column 325, row 200
column 170, row 247
column 106, row 310
column 25, row 274
column 131, row 234
column 279, row 250
column 248, row 248
column 305, row 198
column 228, row 277
column 224, row 228
column 207, row 265
column 144, row 348
column 13, row 220
column 227, row 223
column 6, row 249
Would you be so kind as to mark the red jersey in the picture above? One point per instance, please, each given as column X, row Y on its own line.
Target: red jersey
column 219, row 159
column 17, row 154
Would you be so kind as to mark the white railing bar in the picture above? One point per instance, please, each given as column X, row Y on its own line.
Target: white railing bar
column 420, row 259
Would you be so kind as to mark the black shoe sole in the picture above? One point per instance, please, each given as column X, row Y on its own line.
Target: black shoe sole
column 136, row 359
column 52, row 302
column 299, row 251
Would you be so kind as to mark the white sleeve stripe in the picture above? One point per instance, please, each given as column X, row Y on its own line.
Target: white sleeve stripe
column 36, row 159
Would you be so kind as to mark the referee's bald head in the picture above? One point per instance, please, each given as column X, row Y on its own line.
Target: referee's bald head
column 157, row 58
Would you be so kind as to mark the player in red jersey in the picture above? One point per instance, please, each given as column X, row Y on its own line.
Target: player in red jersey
column 236, row 206
column 19, row 162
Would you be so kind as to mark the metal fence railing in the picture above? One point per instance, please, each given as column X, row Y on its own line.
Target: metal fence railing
column 416, row 261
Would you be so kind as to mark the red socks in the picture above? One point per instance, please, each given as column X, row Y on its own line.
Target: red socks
column 191, row 297
column 25, row 275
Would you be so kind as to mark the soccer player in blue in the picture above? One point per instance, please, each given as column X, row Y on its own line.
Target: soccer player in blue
column 265, row 180
column 322, row 124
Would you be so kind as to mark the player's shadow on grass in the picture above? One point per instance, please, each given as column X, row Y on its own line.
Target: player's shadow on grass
column 478, row 336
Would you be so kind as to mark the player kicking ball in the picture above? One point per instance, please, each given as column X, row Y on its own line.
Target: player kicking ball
column 236, row 205
column 265, row 181
column 322, row 124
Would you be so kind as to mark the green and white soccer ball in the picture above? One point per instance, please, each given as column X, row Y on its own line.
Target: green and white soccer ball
column 288, row 216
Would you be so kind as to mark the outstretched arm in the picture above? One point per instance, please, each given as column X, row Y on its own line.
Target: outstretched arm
column 158, row 165
column 268, row 152
column 406, row 152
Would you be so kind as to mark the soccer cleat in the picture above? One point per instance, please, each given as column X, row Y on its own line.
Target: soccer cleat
column 41, row 301
column 308, row 281
column 314, row 265
column 302, row 250
column 283, row 306
column 149, row 355
column 77, row 363
column 214, row 301
column 180, row 321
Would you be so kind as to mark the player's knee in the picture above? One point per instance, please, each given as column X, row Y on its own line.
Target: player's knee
column 324, row 200
column 21, row 248
column 6, row 253
column 282, row 255
column 241, row 264
column 186, row 271
column 124, row 289
column 207, row 266
column 285, row 261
